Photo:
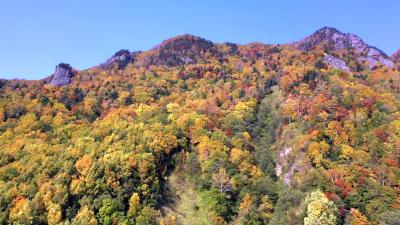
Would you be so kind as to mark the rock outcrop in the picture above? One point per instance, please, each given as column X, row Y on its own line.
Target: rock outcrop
column 285, row 168
column 62, row 75
column 335, row 63
column 119, row 60
column 330, row 40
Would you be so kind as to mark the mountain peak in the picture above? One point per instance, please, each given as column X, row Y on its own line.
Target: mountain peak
column 327, row 37
column 180, row 50
column 328, row 30
column 330, row 39
column 185, row 41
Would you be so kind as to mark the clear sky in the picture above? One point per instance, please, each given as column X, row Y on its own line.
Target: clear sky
column 35, row 35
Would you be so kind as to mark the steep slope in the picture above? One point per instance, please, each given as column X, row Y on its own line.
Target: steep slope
column 186, row 205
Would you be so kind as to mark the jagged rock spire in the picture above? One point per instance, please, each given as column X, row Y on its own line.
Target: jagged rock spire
column 62, row 75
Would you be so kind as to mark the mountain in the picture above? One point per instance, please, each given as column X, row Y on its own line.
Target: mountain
column 196, row 132
column 189, row 49
column 332, row 40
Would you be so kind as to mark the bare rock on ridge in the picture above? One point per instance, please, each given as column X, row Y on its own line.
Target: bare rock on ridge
column 336, row 63
column 62, row 75
column 120, row 60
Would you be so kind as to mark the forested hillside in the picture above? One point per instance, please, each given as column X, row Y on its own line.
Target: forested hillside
column 194, row 132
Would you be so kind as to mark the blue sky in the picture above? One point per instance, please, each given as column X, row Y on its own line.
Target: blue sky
column 37, row 35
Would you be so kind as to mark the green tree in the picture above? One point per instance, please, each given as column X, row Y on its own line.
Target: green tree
column 85, row 216
column 134, row 205
column 391, row 217
column 111, row 212
column 147, row 217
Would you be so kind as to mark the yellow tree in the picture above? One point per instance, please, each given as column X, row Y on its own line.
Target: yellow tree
column 266, row 209
column 320, row 210
column 134, row 205
column 85, row 216
column 316, row 151
column 356, row 218
column 21, row 212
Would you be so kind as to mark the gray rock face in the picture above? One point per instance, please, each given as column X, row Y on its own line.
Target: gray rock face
column 62, row 75
column 374, row 61
column 333, row 40
column 286, row 169
column 120, row 60
column 335, row 62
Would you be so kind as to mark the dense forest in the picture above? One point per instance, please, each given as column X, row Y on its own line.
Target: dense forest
column 193, row 132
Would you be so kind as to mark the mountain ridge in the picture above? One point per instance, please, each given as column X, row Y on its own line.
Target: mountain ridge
column 187, row 49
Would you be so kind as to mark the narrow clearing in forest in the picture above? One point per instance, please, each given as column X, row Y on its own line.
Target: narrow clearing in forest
column 188, row 206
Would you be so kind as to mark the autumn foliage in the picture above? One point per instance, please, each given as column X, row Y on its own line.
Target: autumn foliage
column 257, row 127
